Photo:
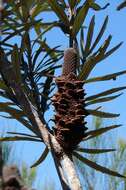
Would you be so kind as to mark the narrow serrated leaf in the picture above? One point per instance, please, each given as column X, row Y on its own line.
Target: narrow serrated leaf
column 94, row 151
column 112, row 50
column 97, row 166
column 23, row 134
column 98, row 132
column 102, row 114
column 105, row 45
column 59, row 11
column 100, row 34
column 80, row 17
column 19, row 138
column 90, row 35
column 105, row 77
column 105, row 93
column 105, row 99
column 91, row 62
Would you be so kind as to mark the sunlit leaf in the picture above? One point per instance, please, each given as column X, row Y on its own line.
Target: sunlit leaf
column 100, row 34
column 59, row 11
column 95, row 59
column 90, row 35
column 80, row 17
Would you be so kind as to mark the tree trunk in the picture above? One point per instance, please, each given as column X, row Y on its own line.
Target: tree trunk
column 65, row 166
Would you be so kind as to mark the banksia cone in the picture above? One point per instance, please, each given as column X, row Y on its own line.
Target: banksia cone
column 69, row 104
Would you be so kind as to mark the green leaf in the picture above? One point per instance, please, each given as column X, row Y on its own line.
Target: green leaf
column 90, row 35
column 105, row 77
column 105, row 45
column 97, row 132
column 97, row 7
column 105, row 99
column 80, row 17
column 102, row 114
column 100, row 34
column 94, row 151
column 23, row 134
column 19, row 31
column 111, row 51
column 105, row 93
column 97, row 166
column 82, row 42
column 39, row 8
column 59, row 11
column 19, row 138
column 42, row 158
column 96, row 58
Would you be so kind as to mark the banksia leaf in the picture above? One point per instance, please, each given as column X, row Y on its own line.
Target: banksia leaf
column 99, row 36
column 97, row 132
column 105, row 77
column 42, row 158
column 59, row 11
column 105, row 99
column 97, row 7
column 121, row 6
column 18, row 138
column 100, row 55
column 79, row 19
column 97, row 166
column 105, row 93
column 94, row 151
column 89, row 35
column 102, row 114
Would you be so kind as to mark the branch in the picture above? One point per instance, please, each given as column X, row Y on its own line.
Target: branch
column 63, row 162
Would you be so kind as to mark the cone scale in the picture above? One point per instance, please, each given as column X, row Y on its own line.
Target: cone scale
column 69, row 104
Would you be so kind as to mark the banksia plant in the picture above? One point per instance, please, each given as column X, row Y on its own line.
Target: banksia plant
column 29, row 87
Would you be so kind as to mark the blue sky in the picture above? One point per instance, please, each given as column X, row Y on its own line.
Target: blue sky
column 29, row 152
